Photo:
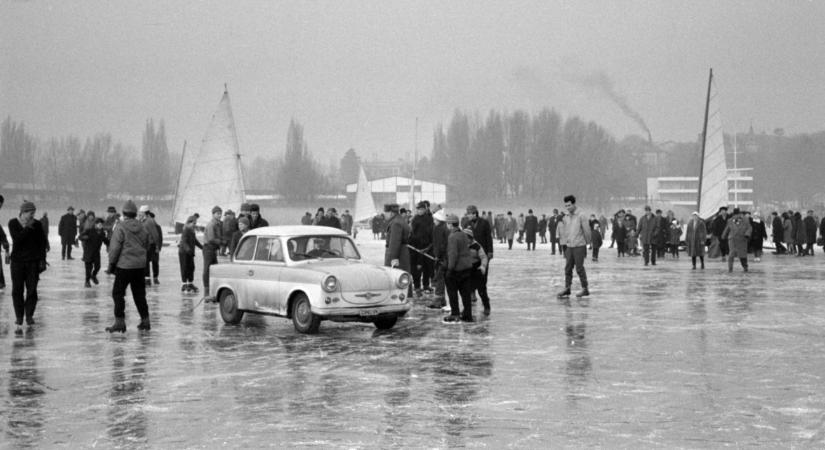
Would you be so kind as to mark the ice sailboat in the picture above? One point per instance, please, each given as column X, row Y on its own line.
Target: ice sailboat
column 713, row 170
column 364, row 204
column 213, row 175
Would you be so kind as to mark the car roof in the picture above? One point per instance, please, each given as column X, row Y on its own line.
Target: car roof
column 295, row 230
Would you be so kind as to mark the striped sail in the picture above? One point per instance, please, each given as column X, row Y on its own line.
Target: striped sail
column 714, row 176
column 213, row 175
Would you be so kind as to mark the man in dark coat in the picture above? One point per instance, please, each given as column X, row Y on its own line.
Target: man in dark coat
column 421, row 238
column 483, row 235
column 230, row 226
column 396, row 253
column 543, row 229
column 809, row 223
column 552, row 225
column 255, row 219
column 439, row 252
column 28, row 257
column 648, row 230
column 717, row 227
column 4, row 243
column 777, row 232
column 67, row 229
column 531, row 227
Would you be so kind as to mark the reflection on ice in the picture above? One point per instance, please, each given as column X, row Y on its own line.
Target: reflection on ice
column 657, row 356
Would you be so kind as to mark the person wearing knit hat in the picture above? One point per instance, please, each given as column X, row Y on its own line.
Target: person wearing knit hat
column 186, row 256
column 67, row 229
column 243, row 227
column 128, row 251
column 213, row 239
column 439, row 252
column 230, row 226
column 255, row 219
column 28, row 259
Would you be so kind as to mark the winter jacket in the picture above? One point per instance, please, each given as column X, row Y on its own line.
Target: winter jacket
column 152, row 231
column 483, row 235
column 531, row 225
column 129, row 245
column 619, row 231
column 777, row 230
column 67, row 227
column 397, row 238
column 510, row 228
column 648, row 229
column 458, row 252
column 552, row 224
column 213, row 234
column 230, row 225
column 421, row 232
column 738, row 233
column 27, row 243
column 787, row 233
column 758, row 234
column 188, row 241
column 809, row 224
column 439, row 241
column 695, row 237
column 575, row 230
column 92, row 240
column 675, row 234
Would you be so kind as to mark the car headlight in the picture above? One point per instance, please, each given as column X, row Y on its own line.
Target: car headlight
column 404, row 281
column 330, row 283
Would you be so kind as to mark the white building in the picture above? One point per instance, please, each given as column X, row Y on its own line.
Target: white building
column 683, row 192
column 397, row 190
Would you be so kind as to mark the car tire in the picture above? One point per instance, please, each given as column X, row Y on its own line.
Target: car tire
column 385, row 323
column 229, row 307
column 302, row 317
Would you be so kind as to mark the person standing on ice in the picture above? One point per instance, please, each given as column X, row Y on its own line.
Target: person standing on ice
column 67, row 229
column 213, row 237
column 154, row 243
column 28, row 259
column 575, row 237
column 4, row 242
column 737, row 232
column 186, row 255
column 128, row 251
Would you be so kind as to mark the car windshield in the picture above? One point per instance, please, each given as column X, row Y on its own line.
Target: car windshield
column 321, row 247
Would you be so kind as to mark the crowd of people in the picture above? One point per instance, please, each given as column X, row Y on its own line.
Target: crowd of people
column 448, row 256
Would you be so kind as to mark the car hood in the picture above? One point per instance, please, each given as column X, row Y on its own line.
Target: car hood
column 359, row 283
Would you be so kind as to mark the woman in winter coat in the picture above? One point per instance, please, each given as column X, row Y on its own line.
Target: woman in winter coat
column 788, row 232
column 799, row 234
column 758, row 235
column 695, row 238
column 620, row 235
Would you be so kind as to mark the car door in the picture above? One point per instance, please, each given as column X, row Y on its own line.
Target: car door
column 265, row 275
column 243, row 260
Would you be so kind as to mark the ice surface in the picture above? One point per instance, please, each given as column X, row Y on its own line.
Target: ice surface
column 658, row 356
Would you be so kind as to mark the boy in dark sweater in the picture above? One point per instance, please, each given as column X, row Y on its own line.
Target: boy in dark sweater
column 93, row 238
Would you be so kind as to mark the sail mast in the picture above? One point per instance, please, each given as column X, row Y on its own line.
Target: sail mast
column 177, row 184
column 704, row 143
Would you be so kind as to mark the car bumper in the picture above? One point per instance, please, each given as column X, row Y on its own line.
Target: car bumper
column 363, row 311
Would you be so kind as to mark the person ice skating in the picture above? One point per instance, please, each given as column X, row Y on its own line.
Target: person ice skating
column 674, row 237
column 483, row 235
column 648, row 231
column 4, row 243
column 439, row 245
column 67, row 229
column 186, row 255
column 575, row 237
column 151, row 227
column 596, row 240
column 480, row 263
column 212, row 242
column 28, row 260
column 93, row 239
column 421, row 238
column 737, row 233
column 459, row 267
column 758, row 235
column 230, row 226
column 695, row 237
column 128, row 251
column 510, row 228
column 552, row 230
column 531, row 225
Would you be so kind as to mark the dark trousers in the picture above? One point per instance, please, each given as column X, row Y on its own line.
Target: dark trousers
column 24, row 275
column 509, row 244
column 2, row 277
column 595, row 252
column 780, row 249
column 693, row 261
column 574, row 256
column 134, row 279
column 531, row 243
column 743, row 261
column 459, row 283
column 478, row 282
column 649, row 253
column 723, row 247
column 187, row 267
column 421, row 270
column 210, row 256
column 621, row 248
column 440, row 273
column 553, row 243
column 66, row 248
column 92, row 267
column 152, row 262
column 543, row 238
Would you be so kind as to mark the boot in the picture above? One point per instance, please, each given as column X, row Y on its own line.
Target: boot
column 583, row 293
column 564, row 294
column 119, row 325
column 144, row 324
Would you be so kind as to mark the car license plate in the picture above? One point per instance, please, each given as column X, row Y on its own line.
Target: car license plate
column 368, row 312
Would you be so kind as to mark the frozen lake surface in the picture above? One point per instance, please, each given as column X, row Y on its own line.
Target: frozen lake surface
column 658, row 356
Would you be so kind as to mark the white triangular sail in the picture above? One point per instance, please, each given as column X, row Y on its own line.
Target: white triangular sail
column 364, row 203
column 714, row 177
column 212, row 176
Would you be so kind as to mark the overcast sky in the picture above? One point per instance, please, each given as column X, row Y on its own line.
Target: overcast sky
column 358, row 73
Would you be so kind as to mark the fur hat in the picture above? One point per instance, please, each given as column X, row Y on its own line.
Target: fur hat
column 111, row 209
column 216, row 209
column 129, row 207
column 253, row 207
column 27, row 206
column 244, row 221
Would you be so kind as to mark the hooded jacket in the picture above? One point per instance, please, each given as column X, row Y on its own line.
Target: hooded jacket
column 129, row 245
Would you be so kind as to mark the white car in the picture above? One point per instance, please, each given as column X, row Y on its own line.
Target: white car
column 308, row 274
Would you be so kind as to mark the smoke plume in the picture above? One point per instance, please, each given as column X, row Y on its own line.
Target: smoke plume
column 599, row 81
